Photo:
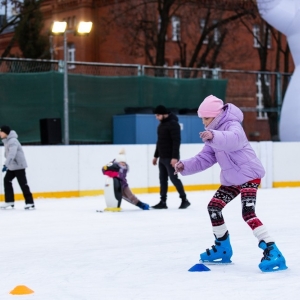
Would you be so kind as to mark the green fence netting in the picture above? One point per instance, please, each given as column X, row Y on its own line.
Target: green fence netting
column 93, row 100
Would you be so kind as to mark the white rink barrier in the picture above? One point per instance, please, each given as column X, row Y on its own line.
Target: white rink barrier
column 75, row 171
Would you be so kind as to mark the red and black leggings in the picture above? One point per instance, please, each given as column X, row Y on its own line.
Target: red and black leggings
column 225, row 194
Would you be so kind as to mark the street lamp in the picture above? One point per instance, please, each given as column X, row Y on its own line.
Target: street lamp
column 61, row 28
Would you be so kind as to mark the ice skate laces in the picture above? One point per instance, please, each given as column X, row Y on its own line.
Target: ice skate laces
column 267, row 252
column 213, row 248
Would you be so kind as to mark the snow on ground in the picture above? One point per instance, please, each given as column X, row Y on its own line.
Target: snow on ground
column 66, row 250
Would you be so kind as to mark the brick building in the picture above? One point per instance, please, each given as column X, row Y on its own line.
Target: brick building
column 110, row 42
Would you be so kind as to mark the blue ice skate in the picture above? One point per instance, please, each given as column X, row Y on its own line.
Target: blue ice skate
column 273, row 260
column 220, row 253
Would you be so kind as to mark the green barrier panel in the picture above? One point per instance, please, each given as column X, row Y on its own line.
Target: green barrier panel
column 93, row 100
column 26, row 98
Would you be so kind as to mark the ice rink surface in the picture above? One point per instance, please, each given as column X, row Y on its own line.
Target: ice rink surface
column 66, row 250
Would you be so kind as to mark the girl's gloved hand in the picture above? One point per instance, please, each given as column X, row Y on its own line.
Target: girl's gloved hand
column 206, row 135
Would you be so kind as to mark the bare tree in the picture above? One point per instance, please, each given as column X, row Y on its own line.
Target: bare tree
column 10, row 20
column 146, row 27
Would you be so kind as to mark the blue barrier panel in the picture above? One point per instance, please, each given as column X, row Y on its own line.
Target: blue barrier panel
column 142, row 129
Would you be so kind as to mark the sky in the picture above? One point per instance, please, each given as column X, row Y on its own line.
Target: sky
column 66, row 250
column 9, row 8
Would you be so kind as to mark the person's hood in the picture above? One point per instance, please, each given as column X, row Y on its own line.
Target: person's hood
column 171, row 117
column 12, row 134
column 230, row 113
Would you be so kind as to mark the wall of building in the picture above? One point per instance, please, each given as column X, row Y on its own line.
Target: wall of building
column 75, row 171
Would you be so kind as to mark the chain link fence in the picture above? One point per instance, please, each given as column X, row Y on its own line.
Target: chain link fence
column 15, row 65
column 244, row 87
column 257, row 93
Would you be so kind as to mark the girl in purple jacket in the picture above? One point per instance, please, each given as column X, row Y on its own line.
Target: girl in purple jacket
column 241, row 172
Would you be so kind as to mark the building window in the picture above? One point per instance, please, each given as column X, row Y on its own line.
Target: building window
column 177, row 73
column 261, row 115
column 73, row 22
column 159, row 24
column 175, row 29
column 256, row 33
column 71, row 55
column 69, row 25
column 217, row 33
column 202, row 26
column 257, row 36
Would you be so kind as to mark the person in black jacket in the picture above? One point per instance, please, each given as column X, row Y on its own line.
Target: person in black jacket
column 167, row 150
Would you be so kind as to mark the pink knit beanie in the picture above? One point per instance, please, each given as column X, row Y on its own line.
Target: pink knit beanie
column 210, row 107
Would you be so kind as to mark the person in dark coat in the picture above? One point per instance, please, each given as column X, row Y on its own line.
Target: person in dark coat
column 14, row 166
column 167, row 150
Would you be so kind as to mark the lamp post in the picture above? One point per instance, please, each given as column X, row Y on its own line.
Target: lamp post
column 61, row 28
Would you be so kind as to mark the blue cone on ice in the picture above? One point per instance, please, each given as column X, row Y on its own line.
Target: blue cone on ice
column 199, row 268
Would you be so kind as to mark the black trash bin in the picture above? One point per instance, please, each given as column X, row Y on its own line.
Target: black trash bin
column 50, row 130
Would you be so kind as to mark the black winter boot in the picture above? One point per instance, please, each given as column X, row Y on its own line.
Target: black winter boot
column 184, row 204
column 161, row 205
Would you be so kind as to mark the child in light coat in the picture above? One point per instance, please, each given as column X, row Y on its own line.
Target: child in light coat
column 118, row 168
column 241, row 172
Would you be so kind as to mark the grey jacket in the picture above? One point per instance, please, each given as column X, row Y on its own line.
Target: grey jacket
column 15, row 158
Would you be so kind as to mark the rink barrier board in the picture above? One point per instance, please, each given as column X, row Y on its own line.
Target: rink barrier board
column 75, row 170
column 93, row 193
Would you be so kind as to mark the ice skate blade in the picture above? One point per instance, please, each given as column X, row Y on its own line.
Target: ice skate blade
column 29, row 208
column 216, row 262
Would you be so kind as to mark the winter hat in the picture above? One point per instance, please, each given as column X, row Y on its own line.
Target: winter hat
column 210, row 107
column 161, row 110
column 121, row 156
column 5, row 129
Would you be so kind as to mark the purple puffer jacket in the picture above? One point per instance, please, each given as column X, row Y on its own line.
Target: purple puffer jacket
column 230, row 148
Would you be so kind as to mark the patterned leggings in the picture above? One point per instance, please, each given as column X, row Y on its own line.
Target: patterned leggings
column 225, row 194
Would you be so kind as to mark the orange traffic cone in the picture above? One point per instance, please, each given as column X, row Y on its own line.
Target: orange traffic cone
column 21, row 290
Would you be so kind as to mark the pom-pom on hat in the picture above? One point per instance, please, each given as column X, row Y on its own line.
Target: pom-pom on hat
column 121, row 157
column 210, row 107
column 161, row 110
column 6, row 129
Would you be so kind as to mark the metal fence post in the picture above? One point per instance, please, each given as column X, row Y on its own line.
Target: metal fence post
column 66, row 92
column 139, row 72
column 279, row 94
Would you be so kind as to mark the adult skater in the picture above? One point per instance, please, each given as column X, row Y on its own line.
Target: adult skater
column 14, row 166
column 167, row 151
